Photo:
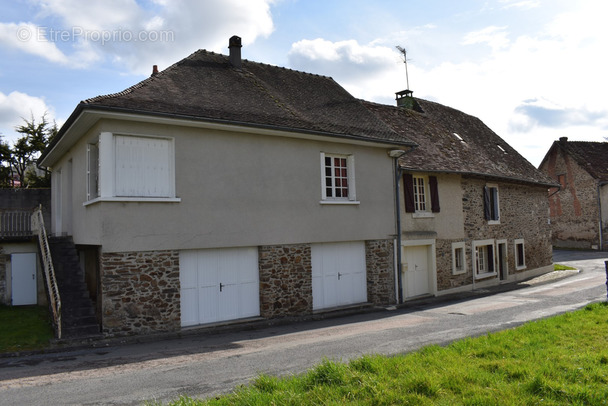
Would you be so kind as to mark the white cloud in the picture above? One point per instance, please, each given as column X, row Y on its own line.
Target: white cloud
column 495, row 37
column 31, row 39
column 138, row 35
column 17, row 105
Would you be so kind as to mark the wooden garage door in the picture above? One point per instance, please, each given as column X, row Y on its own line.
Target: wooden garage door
column 338, row 274
column 219, row 284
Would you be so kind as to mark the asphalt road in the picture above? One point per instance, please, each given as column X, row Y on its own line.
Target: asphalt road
column 203, row 365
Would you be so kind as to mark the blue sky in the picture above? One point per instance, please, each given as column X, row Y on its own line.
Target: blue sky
column 532, row 70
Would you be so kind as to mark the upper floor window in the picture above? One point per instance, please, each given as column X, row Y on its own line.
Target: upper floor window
column 421, row 194
column 491, row 204
column 128, row 167
column 338, row 178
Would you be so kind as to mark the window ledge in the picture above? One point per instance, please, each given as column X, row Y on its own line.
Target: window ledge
column 520, row 268
column 493, row 222
column 423, row 215
column 351, row 202
column 459, row 272
column 134, row 199
column 486, row 275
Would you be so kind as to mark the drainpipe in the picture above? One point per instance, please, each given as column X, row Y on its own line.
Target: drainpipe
column 396, row 154
column 599, row 205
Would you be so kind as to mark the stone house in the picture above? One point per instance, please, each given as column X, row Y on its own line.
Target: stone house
column 579, row 207
column 474, row 211
column 222, row 189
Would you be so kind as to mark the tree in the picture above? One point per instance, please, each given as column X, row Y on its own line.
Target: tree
column 26, row 150
column 5, row 164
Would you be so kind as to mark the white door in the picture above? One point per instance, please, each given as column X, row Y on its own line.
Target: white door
column 23, row 279
column 338, row 274
column 219, row 284
column 416, row 271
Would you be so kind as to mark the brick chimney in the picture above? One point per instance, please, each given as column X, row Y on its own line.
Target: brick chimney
column 154, row 70
column 563, row 140
column 234, row 45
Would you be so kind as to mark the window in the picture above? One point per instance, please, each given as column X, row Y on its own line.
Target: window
column 126, row 167
column 458, row 258
column 483, row 261
column 491, row 205
column 92, row 171
column 338, row 178
column 520, row 254
column 421, row 194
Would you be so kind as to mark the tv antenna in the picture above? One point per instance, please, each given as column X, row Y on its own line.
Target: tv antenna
column 404, row 52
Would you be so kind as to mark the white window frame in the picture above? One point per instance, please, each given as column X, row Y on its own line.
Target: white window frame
column 517, row 258
column 421, row 181
column 350, row 173
column 475, row 258
column 456, row 257
column 107, row 171
column 93, row 191
column 495, row 186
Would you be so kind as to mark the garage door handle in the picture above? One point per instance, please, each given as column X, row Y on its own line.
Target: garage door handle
column 221, row 286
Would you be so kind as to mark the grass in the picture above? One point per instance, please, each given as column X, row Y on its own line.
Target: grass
column 558, row 361
column 24, row 328
column 560, row 267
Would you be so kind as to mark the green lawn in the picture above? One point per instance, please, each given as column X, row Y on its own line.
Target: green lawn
column 560, row 267
column 24, row 328
column 558, row 361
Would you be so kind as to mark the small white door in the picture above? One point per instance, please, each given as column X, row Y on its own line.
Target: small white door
column 23, row 279
column 218, row 285
column 338, row 274
column 416, row 271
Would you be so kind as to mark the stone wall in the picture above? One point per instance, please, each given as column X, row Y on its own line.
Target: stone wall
column 140, row 292
column 379, row 257
column 523, row 215
column 27, row 199
column 285, row 280
column 445, row 278
column 574, row 209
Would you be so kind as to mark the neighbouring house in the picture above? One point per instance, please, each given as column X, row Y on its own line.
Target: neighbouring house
column 474, row 211
column 222, row 189
column 21, row 278
column 579, row 207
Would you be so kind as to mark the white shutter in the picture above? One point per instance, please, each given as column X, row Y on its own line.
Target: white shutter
column 143, row 167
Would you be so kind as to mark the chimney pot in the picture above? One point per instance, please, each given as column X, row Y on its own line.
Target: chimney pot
column 154, row 70
column 234, row 45
column 563, row 140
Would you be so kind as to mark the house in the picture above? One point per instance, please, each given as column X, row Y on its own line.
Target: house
column 222, row 189
column 21, row 278
column 474, row 211
column 579, row 208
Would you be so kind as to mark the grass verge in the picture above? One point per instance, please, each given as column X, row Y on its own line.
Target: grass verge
column 24, row 328
column 558, row 361
column 560, row 267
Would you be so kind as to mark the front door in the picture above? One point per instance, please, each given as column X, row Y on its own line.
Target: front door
column 23, row 279
column 416, row 280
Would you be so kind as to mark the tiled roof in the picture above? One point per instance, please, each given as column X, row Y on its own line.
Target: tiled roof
column 454, row 142
column 592, row 156
column 206, row 86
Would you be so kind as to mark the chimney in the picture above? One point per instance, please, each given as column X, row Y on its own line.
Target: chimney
column 234, row 45
column 563, row 140
column 154, row 70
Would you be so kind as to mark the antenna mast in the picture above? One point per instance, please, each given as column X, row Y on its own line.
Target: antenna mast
column 404, row 52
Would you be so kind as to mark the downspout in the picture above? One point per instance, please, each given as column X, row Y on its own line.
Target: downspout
column 599, row 205
column 396, row 154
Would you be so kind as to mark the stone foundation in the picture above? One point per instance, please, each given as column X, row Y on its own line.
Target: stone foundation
column 379, row 258
column 285, row 280
column 141, row 292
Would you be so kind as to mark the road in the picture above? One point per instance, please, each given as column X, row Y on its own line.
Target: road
column 204, row 365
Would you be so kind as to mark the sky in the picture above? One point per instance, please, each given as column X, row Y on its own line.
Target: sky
column 531, row 70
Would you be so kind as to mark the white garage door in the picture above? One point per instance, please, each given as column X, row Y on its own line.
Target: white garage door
column 338, row 274
column 219, row 284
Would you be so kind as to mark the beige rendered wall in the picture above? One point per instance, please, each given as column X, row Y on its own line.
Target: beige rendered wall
column 236, row 189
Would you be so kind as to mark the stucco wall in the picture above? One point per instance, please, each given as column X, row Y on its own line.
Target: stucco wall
column 236, row 190
column 574, row 209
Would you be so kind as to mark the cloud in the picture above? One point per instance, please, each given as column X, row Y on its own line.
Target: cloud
column 522, row 4
column 18, row 105
column 541, row 113
column 495, row 37
column 137, row 35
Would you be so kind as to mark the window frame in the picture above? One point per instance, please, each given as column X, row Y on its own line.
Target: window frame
column 492, row 204
column 414, row 197
column 463, row 258
column 106, row 176
column 519, row 265
column 475, row 258
column 350, row 177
